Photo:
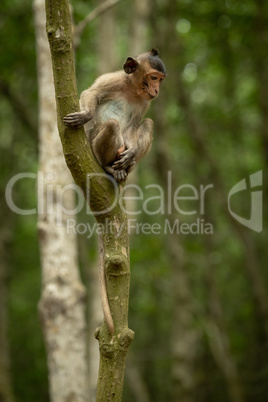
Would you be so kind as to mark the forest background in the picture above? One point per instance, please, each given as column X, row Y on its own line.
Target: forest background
column 198, row 300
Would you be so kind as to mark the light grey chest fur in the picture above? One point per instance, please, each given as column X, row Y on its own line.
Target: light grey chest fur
column 118, row 110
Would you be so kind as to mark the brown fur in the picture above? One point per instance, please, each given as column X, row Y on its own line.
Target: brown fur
column 111, row 112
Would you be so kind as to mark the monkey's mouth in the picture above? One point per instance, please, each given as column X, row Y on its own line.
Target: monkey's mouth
column 151, row 96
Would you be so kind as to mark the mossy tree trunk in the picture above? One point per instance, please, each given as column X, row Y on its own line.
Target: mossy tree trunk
column 101, row 193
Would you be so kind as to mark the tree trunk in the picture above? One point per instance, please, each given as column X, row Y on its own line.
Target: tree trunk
column 106, row 49
column 102, row 195
column 62, row 304
column 139, row 26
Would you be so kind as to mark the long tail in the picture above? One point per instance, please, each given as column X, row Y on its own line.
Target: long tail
column 104, row 298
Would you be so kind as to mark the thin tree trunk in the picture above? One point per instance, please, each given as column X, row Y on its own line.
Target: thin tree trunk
column 106, row 42
column 139, row 26
column 62, row 304
column 100, row 193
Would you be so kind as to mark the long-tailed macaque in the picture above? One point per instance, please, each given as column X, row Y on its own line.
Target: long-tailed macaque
column 112, row 110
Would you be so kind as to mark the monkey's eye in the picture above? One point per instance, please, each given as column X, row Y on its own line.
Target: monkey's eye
column 153, row 77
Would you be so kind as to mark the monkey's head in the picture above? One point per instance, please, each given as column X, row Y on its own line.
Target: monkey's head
column 146, row 72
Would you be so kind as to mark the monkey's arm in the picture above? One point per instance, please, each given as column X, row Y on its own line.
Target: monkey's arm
column 88, row 103
column 104, row 87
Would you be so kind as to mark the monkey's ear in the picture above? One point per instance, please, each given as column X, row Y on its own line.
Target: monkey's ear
column 130, row 65
column 154, row 52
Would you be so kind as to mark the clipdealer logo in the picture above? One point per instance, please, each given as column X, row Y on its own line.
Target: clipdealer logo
column 153, row 200
column 256, row 201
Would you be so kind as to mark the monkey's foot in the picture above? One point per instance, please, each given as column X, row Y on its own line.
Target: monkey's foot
column 120, row 175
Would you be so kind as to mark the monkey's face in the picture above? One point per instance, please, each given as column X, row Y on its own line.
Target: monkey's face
column 146, row 73
column 151, row 84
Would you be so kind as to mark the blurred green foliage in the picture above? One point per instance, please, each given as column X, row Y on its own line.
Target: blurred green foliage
column 221, row 59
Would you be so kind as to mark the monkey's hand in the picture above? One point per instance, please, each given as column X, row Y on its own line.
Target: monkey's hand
column 127, row 158
column 77, row 119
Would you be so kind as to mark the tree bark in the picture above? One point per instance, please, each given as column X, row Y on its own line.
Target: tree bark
column 62, row 303
column 101, row 193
